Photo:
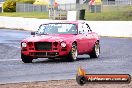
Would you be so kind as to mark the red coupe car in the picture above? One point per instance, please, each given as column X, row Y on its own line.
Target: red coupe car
column 64, row 40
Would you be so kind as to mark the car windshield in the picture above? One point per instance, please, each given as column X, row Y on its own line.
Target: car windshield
column 57, row 28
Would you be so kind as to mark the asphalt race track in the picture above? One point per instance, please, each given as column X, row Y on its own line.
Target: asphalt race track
column 116, row 57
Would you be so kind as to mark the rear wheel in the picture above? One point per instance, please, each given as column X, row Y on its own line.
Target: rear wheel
column 26, row 59
column 96, row 51
column 73, row 53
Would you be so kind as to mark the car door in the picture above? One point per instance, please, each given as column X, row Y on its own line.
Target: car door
column 89, row 37
column 81, row 39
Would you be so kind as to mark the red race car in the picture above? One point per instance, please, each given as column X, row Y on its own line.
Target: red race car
column 65, row 39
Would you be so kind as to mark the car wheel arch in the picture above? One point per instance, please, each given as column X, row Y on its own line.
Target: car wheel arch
column 75, row 43
column 97, row 41
column 71, row 43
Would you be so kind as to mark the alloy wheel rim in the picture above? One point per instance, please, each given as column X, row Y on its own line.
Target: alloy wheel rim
column 74, row 53
column 97, row 51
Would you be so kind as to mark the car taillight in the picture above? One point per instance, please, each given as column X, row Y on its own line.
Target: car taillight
column 55, row 44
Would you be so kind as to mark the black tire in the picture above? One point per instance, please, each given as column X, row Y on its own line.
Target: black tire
column 72, row 56
column 96, row 51
column 26, row 59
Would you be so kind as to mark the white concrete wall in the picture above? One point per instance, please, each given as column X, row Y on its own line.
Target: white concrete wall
column 112, row 28
column 21, row 23
column 103, row 28
column 65, row 1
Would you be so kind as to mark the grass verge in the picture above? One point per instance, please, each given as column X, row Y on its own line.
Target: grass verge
column 112, row 13
column 109, row 13
column 40, row 15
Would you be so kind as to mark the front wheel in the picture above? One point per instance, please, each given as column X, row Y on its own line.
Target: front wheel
column 26, row 59
column 96, row 51
column 72, row 56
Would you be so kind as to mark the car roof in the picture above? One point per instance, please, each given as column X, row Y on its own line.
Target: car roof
column 64, row 22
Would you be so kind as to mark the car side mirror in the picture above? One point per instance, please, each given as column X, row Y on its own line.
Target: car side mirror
column 32, row 33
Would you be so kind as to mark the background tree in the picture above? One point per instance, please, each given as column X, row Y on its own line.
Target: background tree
column 10, row 5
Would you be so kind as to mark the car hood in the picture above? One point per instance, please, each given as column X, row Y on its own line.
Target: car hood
column 49, row 38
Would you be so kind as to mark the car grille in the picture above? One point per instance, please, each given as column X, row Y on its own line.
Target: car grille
column 43, row 46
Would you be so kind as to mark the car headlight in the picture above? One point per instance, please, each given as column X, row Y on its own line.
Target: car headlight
column 63, row 44
column 24, row 44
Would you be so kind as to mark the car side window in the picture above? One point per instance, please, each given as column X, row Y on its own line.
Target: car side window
column 84, row 28
column 80, row 30
column 88, row 28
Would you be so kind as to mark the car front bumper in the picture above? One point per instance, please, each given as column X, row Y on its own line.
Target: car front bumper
column 45, row 54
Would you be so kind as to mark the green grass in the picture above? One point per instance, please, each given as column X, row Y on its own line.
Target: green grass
column 111, row 14
column 40, row 15
column 122, row 13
